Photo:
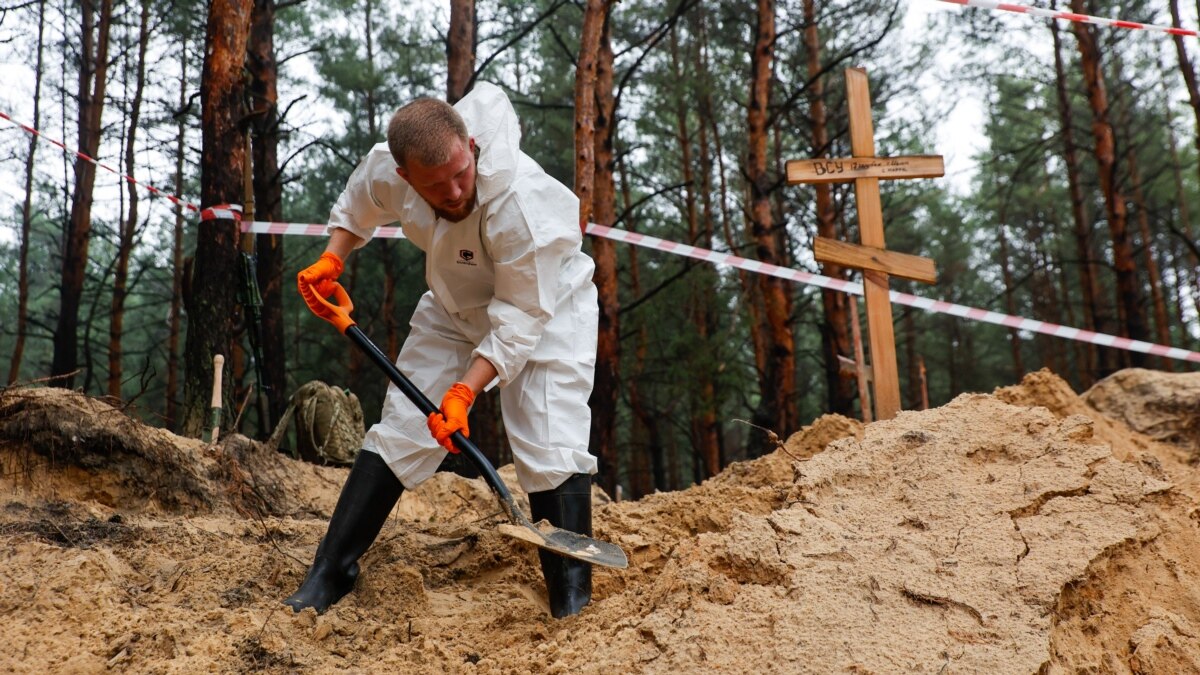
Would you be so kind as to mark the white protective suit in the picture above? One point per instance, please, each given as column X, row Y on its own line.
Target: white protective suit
column 509, row 283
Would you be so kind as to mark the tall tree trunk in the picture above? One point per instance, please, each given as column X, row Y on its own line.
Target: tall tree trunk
column 703, row 415
column 1187, row 71
column 777, row 376
column 1128, row 292
column 212, row 304
column 586, row 113
column 93, row 77
column 14, row 368
column 1190, row 271
column 1162, row 325
column 1092, row 309
column 603, row 401
column 711, row 445
column 835, row 331
column 1193, row 89
column 1010, row 304
column 746, row 281
column 129, row 228
column 460, row 49
column 177, row 261
column 647, row 471
column 268, row 201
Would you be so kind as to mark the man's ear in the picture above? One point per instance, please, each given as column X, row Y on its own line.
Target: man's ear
column 401, row 172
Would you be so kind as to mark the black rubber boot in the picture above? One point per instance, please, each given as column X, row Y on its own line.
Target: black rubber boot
column 366, row 500
column 568, row 506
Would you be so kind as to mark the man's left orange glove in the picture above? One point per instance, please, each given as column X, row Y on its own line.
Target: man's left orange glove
column 318, row 279
column 453, row 416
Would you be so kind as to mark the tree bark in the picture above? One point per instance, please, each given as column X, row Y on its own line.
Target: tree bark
column 93, row 77
column 177, row 259
column 777, row 375
column 1092, row 309
column 1162, row 326
column 1010, row 304
column 647, row 471
column 129, row 227
column 707, row 425
column 460, row 49
column 1128, row 292
column 212, row 304
column 586, row 123
column 268, row 200
column 603, row 401
column 1193, row 89
column 1190, row 271
column 835, row 332
column 14, row 368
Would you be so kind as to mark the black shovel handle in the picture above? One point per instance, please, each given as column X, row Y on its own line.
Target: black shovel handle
column 427, row 407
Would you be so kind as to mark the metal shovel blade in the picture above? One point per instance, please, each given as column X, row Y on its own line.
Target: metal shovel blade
column 569, row 544
column 564, row 542
column 544, row 535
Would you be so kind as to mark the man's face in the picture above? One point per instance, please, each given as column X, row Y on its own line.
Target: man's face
column 450, row 187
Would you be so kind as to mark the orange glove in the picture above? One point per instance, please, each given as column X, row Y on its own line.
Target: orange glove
column 453, row 416
column 317, row 279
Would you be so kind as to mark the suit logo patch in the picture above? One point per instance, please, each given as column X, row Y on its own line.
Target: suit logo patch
column 466, row 257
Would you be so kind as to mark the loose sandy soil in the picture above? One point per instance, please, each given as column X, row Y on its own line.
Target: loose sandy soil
column 1017, row 532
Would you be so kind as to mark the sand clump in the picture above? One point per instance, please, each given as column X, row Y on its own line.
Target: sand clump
column 1017, row 532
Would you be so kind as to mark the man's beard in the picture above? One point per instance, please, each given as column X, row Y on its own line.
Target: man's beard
column 458, row 214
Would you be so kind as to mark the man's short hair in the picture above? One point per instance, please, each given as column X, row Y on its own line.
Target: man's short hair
column 422, row 130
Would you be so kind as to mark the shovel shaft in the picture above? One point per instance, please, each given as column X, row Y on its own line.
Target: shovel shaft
column 427, row 407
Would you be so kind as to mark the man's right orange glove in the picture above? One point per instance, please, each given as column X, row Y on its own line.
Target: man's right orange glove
column 318, row 279
column 452, row 417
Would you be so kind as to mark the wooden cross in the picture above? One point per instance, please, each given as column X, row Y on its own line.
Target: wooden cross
column 872, row 256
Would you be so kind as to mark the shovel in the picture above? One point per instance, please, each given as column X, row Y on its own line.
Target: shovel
column 544, row 535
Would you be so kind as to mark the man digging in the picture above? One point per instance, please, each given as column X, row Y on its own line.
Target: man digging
column 510, row 299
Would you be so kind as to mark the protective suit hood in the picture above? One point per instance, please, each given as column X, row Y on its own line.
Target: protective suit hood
column 493, row 123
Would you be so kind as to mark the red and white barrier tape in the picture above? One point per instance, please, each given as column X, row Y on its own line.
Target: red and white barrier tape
column 1071, row 16
column 936, row 306
column 174, row 198
column 233, row 212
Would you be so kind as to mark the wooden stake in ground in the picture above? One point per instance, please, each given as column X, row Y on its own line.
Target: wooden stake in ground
column 872, row 256
column 218, row 368
column 862, row 371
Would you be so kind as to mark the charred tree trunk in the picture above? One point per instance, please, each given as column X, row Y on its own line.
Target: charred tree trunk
column 460, row 49
column 835, row 332
column 93, row 76
column 22, row 319
column 129, row 228
column 1128, row 292
column 1092, row 309
column 777, row 360
column 268, row 200
column 212, row 305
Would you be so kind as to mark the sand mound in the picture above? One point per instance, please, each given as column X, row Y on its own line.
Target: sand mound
column 1000, row 533
column 1163, row 406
